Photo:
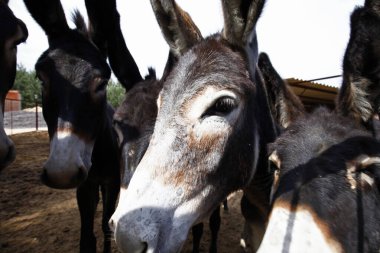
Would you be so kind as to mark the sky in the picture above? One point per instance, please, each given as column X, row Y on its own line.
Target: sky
column 305, row 39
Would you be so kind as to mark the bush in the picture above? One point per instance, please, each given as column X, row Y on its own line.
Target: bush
column 115, row 93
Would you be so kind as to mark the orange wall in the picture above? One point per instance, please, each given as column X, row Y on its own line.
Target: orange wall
column 12, row 101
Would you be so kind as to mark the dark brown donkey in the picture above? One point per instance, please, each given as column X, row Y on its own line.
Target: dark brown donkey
column 212, row 122
column 134, row 119
column 12, row 32
column 326, row 192
column 83, row 146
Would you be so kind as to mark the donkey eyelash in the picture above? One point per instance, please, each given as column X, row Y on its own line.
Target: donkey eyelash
column 221, row 106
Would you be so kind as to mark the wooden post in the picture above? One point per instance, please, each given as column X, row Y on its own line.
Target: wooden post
column 35, row 99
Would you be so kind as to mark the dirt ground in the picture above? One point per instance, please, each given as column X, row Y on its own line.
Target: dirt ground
column 35, row 218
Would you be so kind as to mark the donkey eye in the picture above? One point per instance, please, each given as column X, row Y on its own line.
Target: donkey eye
column 100, row 84
column 221, row 107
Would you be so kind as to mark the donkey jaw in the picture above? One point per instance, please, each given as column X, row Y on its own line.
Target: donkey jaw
column 69, row 161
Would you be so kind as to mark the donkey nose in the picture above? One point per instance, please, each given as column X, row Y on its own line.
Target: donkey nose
column 134, row 233
column 130, row 242
column 61, row 179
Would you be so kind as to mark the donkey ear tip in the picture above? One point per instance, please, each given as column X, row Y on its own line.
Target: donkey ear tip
column 263, row 59
column 263, row 55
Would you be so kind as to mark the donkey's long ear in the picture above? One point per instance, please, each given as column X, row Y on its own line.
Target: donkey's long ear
column 285, row 106
column 359, row 96
column 178, row 29
column 240, row 18
column 105, row 21
column 49, row 15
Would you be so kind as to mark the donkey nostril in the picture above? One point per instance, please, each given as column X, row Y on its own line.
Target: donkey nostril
column 145, row 247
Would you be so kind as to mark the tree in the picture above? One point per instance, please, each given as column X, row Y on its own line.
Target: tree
column 28, row 86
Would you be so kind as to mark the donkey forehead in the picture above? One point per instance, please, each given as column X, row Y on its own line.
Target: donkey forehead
column 73, row 56
column 210, row 63
column 330, row 170
column 308, row 137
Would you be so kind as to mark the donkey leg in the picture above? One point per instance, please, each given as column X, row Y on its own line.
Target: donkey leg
column 214, row 228
column 110, row 192
column 87, row 198
column 254, row 225
column 197, row 231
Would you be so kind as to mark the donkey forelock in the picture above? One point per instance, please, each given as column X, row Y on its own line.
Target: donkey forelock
column 80, row 24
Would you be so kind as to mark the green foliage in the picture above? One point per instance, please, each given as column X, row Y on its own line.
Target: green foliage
column 115, row 93
column 28, row 86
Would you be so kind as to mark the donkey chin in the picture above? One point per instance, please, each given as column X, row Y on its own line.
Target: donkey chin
column 69, row 162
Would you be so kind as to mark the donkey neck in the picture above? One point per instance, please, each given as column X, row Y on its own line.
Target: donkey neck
column 258, row 190
column 106, row 142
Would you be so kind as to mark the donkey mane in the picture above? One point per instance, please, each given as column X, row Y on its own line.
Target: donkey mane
column 79, row 22
column 151, row 74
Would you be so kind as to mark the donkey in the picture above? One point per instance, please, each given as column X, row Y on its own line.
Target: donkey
column 212, row 120
column 83, row 145
column 12, row 32
column 326, row 190
column 134, row 118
